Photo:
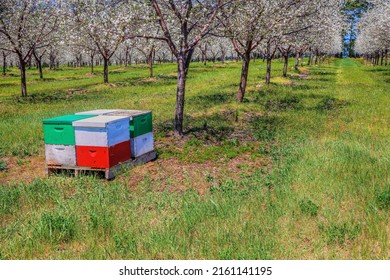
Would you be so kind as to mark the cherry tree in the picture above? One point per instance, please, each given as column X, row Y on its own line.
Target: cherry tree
column 183, row 25
column 213, row 48
column 325, row 37
column 48, row 50
column 225, row 46
column 25, row 26
column 4, row 55
column 102, row 24
column 373, row 39
column 163, row 54
column 55, row 54
column 245, row 24
column 127, row 50
column 251, row 24
column 82, row 44
column 148, row 48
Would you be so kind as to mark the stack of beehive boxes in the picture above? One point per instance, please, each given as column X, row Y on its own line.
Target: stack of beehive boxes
column 141, row 135
column 102, row 141
column 98, row 139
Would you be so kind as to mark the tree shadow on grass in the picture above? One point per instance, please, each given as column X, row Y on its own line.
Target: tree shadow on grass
column 8, row 84
column 377, row 69
column 322, row 73
column 147, row 81
column 53, row 97
column 204, row 101
column 327, row 80
column 48, row 79
column 209, row 129
column 168, row 77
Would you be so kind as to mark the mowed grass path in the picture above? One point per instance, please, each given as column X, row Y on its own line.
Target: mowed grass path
column 344, row 168
column 305, row 168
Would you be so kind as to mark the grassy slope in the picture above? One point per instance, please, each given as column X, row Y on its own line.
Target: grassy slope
column 326, row 197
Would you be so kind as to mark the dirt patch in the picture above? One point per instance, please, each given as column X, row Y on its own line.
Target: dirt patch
column 75, row 91
column 303, row 74
column 150, row 80
column 176, row 176
column 289, row 83
column 171, row 75
column 118, row 70
column 23, row 170
column 161, row 175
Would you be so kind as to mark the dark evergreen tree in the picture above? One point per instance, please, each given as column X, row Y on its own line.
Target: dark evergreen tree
column 353, row 10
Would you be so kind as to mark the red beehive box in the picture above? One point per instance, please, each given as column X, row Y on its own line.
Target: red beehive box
column 103, row 157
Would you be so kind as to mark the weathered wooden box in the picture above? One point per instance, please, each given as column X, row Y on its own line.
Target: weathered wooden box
column 60, row 155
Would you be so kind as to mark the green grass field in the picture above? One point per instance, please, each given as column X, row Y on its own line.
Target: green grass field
column 300, row 170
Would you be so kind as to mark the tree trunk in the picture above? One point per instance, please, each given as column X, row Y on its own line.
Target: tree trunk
column 105, row 70
column 4, row 63
column 127, row 57
column 40, row 70
column 223, row 57
column 92, row 57
column 244, row 77
column 296, row 60
column 181, row 87
column 51, row 59
column 150, row 62
column 23, row 76
column 39, row 64
column 285, row 65
column 268, row 75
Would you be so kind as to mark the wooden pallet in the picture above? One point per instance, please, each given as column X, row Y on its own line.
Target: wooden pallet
column 108, row 173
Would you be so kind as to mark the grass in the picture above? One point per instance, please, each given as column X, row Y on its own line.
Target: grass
column 300, row 170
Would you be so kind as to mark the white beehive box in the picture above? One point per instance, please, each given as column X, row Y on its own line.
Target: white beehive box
column 64, row 155
column 142, row 144
column 102, row 131
column 98, row 112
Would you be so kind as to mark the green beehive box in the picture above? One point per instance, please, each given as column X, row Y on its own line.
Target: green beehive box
column 140, row 125
column 59, row 130
column 140, row 121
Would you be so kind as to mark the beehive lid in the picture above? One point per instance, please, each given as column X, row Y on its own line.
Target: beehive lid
column 129, row 113
column 67, row 119
column 98, row 121
column 97, row 112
